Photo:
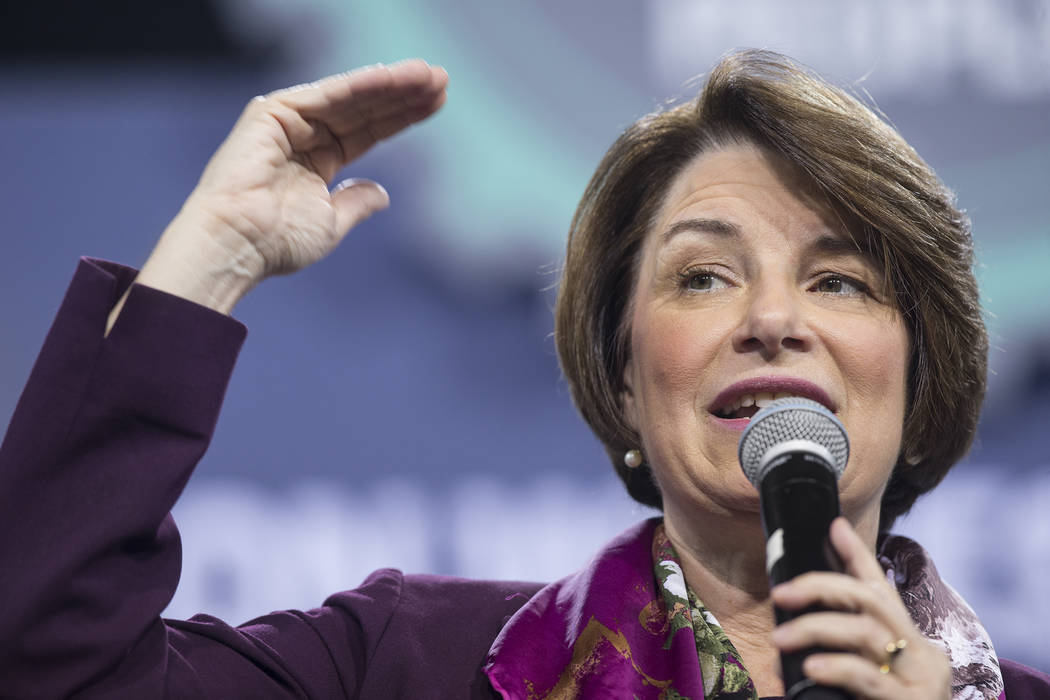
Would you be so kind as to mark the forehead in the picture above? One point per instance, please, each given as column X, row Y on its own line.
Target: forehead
column 739, row 186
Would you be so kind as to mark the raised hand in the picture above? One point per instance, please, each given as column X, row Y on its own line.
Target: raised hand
column 263, row 206
column 865, row 618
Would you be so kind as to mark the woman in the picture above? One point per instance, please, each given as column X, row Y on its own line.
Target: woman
column 772, row 237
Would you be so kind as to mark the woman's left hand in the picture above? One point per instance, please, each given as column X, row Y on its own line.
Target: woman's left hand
column 866, row 620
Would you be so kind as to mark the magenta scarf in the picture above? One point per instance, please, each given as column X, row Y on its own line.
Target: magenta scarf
column 606, row 631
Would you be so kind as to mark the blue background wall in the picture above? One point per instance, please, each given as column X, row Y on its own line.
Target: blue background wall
column 400, row 404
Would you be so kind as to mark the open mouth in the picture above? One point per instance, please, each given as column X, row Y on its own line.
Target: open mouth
column 742, row 412
column 747, row 405
column 745, row 398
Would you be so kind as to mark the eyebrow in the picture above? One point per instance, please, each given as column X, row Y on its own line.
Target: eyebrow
column 718, row 227
column 837, row 245
column 827, row 243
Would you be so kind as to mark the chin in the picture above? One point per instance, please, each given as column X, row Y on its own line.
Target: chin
column 738, row 501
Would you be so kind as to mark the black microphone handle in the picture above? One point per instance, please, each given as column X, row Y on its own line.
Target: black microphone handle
column 799, row 497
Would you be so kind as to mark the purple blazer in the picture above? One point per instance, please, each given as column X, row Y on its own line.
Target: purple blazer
column 98, row 450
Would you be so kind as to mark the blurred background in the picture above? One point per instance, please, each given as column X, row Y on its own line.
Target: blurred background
column 400, row 404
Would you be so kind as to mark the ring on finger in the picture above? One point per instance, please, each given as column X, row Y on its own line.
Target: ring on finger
column 892, row 650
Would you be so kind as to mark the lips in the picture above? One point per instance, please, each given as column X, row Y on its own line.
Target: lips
column 744, row 398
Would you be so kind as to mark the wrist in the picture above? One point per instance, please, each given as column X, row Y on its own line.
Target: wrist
column 200, row 259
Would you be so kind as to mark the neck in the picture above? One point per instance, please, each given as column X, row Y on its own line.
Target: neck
column 723, row 553
column 727, row 572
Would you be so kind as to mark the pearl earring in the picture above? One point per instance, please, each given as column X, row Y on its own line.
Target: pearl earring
column 633, row 458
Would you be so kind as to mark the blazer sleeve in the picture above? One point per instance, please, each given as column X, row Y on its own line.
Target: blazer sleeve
column 1024, row 683
column 105, row 435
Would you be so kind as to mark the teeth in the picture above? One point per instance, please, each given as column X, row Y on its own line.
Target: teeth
column 761, row 399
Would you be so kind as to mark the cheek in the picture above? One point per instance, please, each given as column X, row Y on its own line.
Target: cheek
column 670, row 353
column 874, row 360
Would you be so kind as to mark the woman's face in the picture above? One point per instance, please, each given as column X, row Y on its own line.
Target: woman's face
column 749, row 289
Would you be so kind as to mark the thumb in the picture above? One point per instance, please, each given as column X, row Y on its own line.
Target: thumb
column 355, row 200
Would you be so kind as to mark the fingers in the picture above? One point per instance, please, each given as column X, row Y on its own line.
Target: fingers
column 928, row 678
column 838, row 592
column 357, row 109
column 854, row 553
column 865, row 590
column 858, row 633
column 862, row 614
column 855, row 674
column 359, row 134
column 860, row 619
column 366, row 88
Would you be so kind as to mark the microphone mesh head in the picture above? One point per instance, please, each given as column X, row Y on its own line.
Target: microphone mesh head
column 791, row 418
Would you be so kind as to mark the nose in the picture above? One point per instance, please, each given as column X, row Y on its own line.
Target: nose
column 772, row 322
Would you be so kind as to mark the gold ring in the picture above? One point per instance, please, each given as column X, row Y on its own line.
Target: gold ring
column 892, row 650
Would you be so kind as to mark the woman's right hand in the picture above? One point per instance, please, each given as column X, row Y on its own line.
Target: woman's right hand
column 263, row 206
column 864, row 619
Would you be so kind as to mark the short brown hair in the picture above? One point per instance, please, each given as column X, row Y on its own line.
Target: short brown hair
column 899, row 213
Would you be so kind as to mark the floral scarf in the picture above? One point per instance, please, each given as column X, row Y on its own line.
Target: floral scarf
column 943, row 617
column 616, row 630
column 725, row 677
column 940, row 613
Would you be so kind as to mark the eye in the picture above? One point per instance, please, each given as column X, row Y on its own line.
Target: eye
column 703, row 281
column 840, row 284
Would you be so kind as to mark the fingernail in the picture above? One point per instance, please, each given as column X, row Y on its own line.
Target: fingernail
column 349, row 182
column 813, row 663
column 354, row 181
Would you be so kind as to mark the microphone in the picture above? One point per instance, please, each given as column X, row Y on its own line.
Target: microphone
column 794, row 451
